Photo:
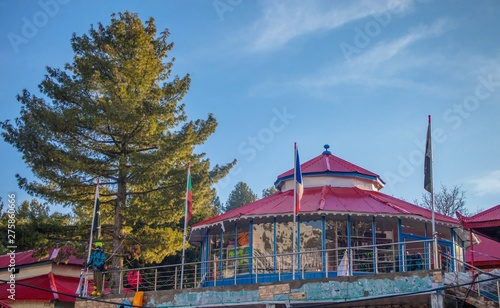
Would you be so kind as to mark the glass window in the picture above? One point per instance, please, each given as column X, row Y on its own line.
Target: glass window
column 284, row 245
column 362, row 253
column 387, row 252
column 310, row 240
column 336, row 240
column 263, row 247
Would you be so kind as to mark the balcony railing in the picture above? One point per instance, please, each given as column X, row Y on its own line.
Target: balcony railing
column 347, row 261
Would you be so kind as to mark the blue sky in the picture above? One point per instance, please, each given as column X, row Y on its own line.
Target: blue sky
column 361, row 76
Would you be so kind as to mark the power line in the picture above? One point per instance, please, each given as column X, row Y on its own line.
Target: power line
column 71, row 295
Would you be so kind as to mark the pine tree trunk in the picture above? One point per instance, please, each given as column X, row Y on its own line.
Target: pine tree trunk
column 117, row 260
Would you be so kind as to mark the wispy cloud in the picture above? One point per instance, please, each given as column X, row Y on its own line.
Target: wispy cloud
column 382, row 64
column 487, row 184
column 392, row 56
column 285, row 21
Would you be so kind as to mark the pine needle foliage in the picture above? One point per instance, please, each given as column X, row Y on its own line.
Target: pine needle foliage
column 115, row 114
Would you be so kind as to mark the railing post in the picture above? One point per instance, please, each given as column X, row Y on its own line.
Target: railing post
column 301, row 266
column 349, row 259
column 215, row 274
column 195, row 275
column 137, row 287
column 279, row 268
column 175, row 278
column 403, row 255
column 498, row 291
column 235, row 268
column 120, row 285
column 478, row 287
column 156, row 277
column 375, row 263
column 327, row 264
column 103, row 280
column 436, row 254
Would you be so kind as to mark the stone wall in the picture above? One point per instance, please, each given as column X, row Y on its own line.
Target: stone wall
column 330, row 290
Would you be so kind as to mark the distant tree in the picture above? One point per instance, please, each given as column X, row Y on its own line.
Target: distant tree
column 36, row 228
column 266, row 192
column 217, row 204
column 446, row 202
column 241, row 195
column 115, row 114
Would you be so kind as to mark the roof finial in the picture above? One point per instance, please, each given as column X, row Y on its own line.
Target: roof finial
column 326, row 146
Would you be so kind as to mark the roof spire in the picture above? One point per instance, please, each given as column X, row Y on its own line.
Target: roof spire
column 326, row 146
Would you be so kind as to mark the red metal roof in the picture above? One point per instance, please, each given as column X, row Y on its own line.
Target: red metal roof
column 486, row 253
column 57, row 255
column 328, row 199
column 42, row 288
column 47, row 287
column 488, row 218
column 327, row 163
column 486, row 222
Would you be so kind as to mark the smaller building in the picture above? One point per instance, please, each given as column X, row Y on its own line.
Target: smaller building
column 486, row 226
column 38, row 279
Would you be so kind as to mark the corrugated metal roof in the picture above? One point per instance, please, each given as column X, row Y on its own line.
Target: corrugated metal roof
column 486, row 223
column 330, row 200
column 327, row 163
column 488, row 218
column 487, row 251
column 26, row 257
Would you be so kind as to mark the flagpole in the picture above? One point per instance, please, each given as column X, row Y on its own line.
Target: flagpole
column 429, row 186
column 185, row 224
column 90, row 240
column 294, row 238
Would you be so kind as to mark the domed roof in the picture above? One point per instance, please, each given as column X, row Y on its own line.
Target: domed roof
column 347, row 193
column 330, row 167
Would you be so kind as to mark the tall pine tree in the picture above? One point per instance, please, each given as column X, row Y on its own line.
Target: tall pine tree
column 115, row 113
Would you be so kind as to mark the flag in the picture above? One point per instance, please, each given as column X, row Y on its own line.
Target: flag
column 189, row 196
column 97, row 214
column 428, row 160
column 299, row 188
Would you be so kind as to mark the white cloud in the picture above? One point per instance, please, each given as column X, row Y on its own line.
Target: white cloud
column 380, row 65
column 284, row 21
column 488, row 184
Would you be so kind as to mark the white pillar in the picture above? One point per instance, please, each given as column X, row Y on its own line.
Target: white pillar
column 437, row 300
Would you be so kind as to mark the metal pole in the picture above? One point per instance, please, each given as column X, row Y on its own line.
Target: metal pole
column 156, row 277
column 294, row 238
column 188, row 182
column 498, row 292
column 175, row 278
column 327, row 264
column 137, row 287
column 196, row 274
column 120, row 286
column 91, row 235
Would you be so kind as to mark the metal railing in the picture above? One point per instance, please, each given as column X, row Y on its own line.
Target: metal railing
column 358, row 260
column 474, row 278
